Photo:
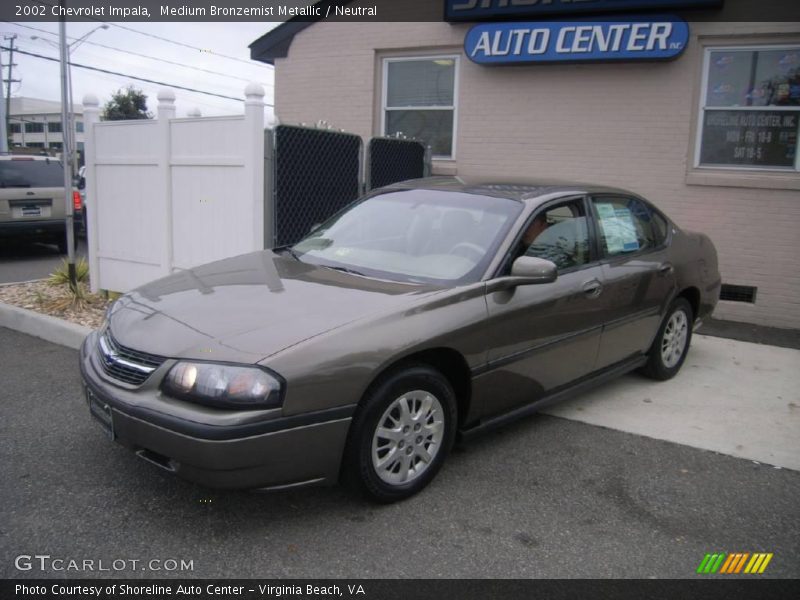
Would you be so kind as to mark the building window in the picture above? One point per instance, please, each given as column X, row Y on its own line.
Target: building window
column 750, row 109
column 35, row 144
column 32, row 127
column 79, row 126
column 14, row 128
column 54, row 127
column 56, row 146
column 419, row 100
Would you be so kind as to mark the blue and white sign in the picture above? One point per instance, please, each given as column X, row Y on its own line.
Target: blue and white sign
column 631, row 38
column 480, row 10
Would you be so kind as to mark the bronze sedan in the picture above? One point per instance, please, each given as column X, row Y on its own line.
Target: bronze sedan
column 426, row 310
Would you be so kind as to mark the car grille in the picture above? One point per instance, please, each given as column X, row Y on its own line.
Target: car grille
column 125, row 364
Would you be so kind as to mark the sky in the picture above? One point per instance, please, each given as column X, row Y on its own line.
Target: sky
column 157, row 61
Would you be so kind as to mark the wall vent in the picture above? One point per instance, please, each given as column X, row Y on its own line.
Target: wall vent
column 738, row 293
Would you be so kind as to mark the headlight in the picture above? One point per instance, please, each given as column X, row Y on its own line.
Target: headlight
column 224, row 386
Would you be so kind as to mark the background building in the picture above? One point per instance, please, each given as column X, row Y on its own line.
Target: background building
column 35, row 123
column 710, row 136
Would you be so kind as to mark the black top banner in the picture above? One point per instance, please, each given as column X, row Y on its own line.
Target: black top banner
column 381, row 10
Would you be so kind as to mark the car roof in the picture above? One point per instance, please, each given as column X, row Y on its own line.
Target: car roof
column 523, row 190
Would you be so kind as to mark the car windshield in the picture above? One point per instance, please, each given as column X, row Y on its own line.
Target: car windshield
column 430, row 236
column 31, row 173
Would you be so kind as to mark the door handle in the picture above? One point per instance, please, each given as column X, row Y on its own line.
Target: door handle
column 592, row 288
column 666, row 268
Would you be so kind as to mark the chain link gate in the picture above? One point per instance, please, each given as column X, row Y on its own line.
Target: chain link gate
column 390, row 160
column 316, row 173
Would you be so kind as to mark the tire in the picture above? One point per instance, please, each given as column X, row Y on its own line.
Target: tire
column 417, row 405
column 61, row 242
column 671, row 345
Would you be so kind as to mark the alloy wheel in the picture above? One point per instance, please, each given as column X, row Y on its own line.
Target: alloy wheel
column 408, row 437
column 673, row 342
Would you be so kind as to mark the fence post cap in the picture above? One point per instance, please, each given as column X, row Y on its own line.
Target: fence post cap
column 91, row 101
column 254, row 90
column 166, row 95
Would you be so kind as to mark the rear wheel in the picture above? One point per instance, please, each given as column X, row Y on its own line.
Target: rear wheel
column 401, row 434
column 61, row 242
column 671, row 345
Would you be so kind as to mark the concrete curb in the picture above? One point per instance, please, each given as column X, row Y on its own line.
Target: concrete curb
column 42, row 326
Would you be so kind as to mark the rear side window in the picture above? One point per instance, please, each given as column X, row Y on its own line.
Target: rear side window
column 625, row 225
column 661, row 227
column 31, row 173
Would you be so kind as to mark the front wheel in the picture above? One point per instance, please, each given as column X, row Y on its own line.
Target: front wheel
column 671, row 345
column 401, row 434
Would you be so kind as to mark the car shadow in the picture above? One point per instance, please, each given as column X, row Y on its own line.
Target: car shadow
column 22, row 250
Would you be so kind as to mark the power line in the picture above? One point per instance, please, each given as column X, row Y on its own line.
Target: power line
column 163, row 60
column 93, row 56
column 99, row 70
column 153, row 91
column 169, row 41
column 203, row 50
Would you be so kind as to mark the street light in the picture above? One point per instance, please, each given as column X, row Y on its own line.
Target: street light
column 66, row 120
column 69, row 126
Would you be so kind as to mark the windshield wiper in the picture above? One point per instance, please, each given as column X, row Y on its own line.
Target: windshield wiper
column 344, row 270
column 291, row 253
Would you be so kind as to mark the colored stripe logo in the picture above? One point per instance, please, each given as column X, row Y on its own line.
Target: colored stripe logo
column 734, row 563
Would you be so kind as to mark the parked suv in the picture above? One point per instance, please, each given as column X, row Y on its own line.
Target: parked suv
column 32, row 200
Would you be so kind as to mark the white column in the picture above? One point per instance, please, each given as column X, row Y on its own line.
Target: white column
column 91, row 115
column 165, row 112
column 254, row 159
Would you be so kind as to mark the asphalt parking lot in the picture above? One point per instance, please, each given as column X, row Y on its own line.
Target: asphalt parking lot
column 25, row 261
column 545, row 497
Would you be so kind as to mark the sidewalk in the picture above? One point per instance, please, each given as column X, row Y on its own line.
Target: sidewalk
column 732, row 397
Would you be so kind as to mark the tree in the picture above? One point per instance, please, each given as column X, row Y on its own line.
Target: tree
column 128, row 103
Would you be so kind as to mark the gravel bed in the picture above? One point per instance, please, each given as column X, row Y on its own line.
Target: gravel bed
column 54, row 300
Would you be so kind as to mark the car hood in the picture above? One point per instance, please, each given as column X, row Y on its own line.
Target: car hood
column 246, row 308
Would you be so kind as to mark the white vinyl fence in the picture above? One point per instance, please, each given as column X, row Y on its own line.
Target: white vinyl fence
column 169, row 193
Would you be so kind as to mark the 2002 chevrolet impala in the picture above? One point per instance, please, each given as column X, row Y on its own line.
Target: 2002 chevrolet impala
column 425, row 310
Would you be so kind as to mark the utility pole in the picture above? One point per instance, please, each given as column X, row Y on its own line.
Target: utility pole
column 10, row 79
column 3, row 120
column 66, row 150
column 5, row 109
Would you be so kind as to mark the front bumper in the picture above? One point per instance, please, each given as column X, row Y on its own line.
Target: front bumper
column 273, row 452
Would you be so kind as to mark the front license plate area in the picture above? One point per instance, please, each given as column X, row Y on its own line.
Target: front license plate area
column 101, row 413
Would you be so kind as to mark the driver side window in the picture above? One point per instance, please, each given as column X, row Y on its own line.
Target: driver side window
column 558, row 233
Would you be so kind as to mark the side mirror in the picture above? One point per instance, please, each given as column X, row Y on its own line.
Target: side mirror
column 534, row 270
column 526, row 270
